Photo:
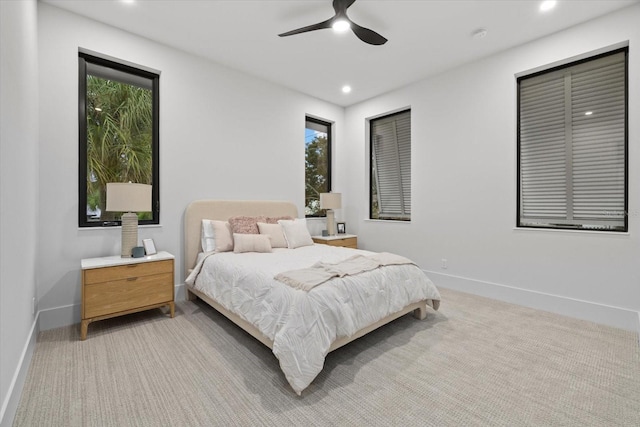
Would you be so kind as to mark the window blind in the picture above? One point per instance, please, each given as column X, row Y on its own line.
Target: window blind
column 572, row 146
column 391, row 158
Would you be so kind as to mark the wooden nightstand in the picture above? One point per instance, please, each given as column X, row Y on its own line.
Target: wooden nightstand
column 344, row 240
column 113, row 286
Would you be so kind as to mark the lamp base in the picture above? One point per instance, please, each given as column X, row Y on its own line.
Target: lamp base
column 331, row 224
column 129, row 234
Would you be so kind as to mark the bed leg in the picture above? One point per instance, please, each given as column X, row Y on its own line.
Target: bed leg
column 189, row 296
column 420, row 312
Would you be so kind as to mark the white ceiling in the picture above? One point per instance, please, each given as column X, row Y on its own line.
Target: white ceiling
column 426, row 37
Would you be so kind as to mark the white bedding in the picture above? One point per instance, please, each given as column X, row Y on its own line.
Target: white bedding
column 303, row 325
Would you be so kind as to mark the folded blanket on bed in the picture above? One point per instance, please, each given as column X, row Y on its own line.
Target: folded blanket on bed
column 319, row 273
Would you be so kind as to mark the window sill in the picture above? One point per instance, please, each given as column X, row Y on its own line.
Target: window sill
column 99, row 227
column 387, row 221
column 562, row 230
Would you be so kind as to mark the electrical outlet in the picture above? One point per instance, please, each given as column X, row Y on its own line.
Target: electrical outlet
column 33, row 305
column 444, row 264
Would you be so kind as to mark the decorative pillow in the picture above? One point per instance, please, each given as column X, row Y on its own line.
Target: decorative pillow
column 275, row 219
column 274, row 231
column 251, row 243
column 223, row 236
column 207, row 237
column 245, row 224
column 296, row 233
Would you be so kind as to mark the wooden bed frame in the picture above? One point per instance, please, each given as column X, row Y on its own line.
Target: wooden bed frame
column 225, row 209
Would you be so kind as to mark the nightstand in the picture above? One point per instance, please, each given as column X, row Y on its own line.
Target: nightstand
column 113, row 286
column 344, row 240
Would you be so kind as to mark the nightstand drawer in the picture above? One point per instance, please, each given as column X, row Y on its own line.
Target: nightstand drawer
column 108, row 274
column 347, row 242
column 126, row 294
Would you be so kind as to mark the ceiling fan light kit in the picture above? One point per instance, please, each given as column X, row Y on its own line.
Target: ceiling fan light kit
column 341, row 22
column 341, row 26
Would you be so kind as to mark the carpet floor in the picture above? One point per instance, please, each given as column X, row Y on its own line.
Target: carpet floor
column 476, row 362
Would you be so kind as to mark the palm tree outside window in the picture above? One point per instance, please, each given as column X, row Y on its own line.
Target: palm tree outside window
column 119, row 138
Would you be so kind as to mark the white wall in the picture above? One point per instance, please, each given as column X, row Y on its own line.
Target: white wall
column 223, row 135
column 18, row 195
column 464, row 187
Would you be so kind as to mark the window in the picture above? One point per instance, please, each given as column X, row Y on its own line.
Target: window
column 317, row 164
column 390, row 167
column 118, row 123
column 572, row 145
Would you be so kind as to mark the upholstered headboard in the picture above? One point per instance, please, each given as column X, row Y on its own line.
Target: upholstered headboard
column 223, row 210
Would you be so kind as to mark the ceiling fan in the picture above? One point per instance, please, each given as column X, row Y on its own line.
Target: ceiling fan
column 341, row 22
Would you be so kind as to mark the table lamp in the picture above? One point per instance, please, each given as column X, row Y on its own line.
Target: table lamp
column 330, row 201
column 128, row 198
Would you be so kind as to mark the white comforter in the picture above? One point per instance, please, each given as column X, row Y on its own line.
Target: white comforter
column 301, row 324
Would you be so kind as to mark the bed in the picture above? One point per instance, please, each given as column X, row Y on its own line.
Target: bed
column 300, row 326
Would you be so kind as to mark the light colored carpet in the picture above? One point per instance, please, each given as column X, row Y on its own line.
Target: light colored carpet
column 475, row 362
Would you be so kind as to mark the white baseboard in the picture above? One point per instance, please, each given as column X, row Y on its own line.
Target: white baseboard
column 599, row 313
column 179, row 292
column 11, row 401
column 58, row 317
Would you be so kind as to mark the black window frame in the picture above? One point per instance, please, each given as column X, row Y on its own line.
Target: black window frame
column 329, row 125
column 371, row 162
column 519, row 222
column 85, row 57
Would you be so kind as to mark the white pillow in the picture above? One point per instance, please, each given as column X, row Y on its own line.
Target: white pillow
column 216, row 236
column 296, row 233
column 251, row 243
column 207, row 237
column 275, row 233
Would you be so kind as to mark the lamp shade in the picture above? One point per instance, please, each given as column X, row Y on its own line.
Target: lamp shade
column 128, row 197
column 330, row 200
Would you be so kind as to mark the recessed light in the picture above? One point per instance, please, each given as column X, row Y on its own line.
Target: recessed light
column 346, row 89
column 340, row 26
column 547, row 5
column 480, row 33
column 128, row 1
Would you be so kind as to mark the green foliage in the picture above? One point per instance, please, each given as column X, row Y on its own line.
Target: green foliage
column 119, row 138
column 316, row 173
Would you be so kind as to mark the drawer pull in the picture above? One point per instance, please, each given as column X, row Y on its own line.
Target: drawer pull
column 131, row 279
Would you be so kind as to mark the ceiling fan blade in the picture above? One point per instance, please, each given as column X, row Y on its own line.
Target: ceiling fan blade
column 342, row 5
column 367, row 35
column 318, row 26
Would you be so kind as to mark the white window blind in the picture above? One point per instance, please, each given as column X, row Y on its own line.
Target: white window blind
column 572, row 146
column 391, row 166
